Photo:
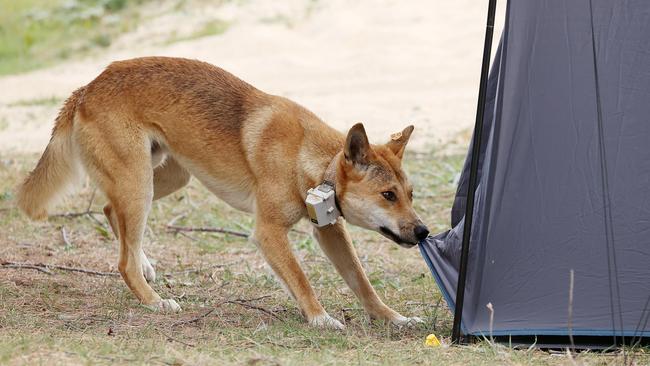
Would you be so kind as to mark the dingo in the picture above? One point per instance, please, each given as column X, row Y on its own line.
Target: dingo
column 144, row 126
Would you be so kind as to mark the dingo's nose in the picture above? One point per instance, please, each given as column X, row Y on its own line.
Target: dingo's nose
column 421, row 232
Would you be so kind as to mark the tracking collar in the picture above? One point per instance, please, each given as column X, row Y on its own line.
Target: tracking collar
column 322, row 205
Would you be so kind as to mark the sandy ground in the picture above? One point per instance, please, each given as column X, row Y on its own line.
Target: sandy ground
column 383, row 63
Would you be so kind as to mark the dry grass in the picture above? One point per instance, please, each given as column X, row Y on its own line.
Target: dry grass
column 73, row 318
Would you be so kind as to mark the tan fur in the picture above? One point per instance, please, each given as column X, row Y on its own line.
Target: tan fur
column 143, row 126
column 58, row 167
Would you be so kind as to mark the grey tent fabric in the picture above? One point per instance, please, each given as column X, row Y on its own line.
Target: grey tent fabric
column 564, row 178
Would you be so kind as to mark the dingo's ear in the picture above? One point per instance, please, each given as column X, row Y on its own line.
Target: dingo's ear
column 398, row 141
column 357, row 148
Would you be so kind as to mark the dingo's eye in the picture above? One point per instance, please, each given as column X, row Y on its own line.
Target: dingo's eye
column 389, row 195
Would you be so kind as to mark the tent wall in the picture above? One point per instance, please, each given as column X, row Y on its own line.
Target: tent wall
column 565, row 176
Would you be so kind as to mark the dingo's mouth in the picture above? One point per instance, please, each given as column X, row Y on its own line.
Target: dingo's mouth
column 396, row 238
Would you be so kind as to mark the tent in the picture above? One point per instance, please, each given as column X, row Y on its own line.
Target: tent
column 559, row 240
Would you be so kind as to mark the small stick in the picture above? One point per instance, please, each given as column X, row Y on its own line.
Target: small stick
column 45, row 267
column 87, row 212
column 240, row 302
column 26, row 266
column 70, row 215
column 170, row 338
column 207, row 230
column 80, row 270
column 92, row 198
column 259, row 308
column 196, row 319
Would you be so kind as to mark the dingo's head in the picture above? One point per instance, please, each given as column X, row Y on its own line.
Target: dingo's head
column 373, row 191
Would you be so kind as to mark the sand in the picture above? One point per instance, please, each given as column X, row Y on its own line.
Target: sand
column 385, row 63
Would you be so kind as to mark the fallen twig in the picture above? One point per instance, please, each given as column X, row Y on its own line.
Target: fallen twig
column 240, row 302
column 170, row 338
column 88, row 212
column 207, row 230
column 26, row 266
column 71, row 215
column 181, row 229
column 259, row 308
column 196, row 319
column 46, row 267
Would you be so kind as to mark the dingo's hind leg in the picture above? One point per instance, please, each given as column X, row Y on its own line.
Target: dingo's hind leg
column 167, row 179
column 119, row 161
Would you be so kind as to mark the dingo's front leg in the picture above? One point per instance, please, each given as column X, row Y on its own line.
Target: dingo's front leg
column 337, row 245
column 274, row 244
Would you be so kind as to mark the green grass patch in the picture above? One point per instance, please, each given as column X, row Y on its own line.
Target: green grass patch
column 37, row 33
column 47, row 102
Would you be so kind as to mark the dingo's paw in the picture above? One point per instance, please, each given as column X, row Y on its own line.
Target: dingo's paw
column 165, row 306
column 403, row 321
column 326, row 321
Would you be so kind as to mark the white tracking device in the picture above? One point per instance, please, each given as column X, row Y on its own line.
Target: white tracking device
column 321, row 205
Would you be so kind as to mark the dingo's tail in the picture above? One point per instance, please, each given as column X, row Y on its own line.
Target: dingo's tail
column 57, row 170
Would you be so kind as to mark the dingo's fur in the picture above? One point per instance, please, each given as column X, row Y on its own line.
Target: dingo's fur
column 143, row 126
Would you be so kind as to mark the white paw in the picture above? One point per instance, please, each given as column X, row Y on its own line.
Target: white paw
column 326, row 321
column 147, row 269
column 165, row 306
column 403, row 321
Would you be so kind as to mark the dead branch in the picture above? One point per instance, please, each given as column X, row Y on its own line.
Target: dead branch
column 180, row 229
column 88, row 212
column 240, row 302
column 174, row 228
column 198, row 318
column 46, row 267
column 72, row 215
column 170, row 338
column 81, row 270
column 42, row 267
column 258, row 308
column 26, row 266
column 90, row 201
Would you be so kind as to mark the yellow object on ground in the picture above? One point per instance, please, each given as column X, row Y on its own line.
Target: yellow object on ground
column 432, row 341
